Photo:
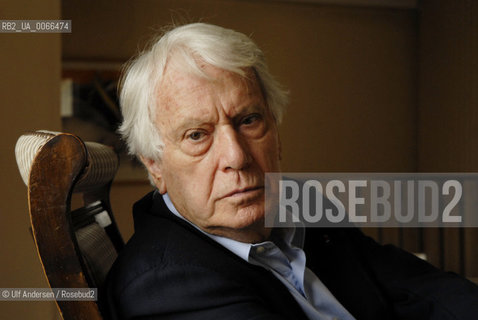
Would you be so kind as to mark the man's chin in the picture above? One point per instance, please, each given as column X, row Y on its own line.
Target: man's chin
column 246, row 235
column 247, row 226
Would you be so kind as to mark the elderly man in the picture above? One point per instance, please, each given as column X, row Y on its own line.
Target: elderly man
column 201, row 112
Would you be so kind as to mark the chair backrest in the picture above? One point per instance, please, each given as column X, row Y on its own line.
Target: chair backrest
column 76, row 248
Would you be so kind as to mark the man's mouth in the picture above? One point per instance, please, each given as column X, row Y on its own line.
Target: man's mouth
column 249, row 191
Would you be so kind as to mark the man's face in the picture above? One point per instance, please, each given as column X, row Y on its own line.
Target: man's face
column 219, row 140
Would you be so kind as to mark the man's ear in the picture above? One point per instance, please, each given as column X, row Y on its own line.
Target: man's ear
column 155, row 171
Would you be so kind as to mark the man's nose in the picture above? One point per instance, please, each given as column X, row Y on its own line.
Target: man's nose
column 233, row 149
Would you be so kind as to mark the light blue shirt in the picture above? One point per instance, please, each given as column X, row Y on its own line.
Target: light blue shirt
column 284, row 257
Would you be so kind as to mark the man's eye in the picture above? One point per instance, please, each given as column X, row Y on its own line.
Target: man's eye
column 196, row 141
column 250, row 119
column 196, row 135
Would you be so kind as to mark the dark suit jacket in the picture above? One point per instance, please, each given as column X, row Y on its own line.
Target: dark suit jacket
column 170, row 270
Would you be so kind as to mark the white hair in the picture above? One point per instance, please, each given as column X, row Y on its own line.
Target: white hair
column 222, row 48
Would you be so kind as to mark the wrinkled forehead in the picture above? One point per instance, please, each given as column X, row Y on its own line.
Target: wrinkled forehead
column 178, row 81
column 178, row 68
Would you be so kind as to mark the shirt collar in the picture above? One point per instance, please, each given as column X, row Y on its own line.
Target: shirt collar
column 241, row 249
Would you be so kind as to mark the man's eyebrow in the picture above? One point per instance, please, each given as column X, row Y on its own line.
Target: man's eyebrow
column 193, row 122
column 255, row 107
column 189, row 121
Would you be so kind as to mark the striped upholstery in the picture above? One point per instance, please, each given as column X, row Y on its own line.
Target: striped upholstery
column 97, row 250
column 103, row 161
column 27, row 148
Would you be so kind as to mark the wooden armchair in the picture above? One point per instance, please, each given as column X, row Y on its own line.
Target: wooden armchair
column 76, row 248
